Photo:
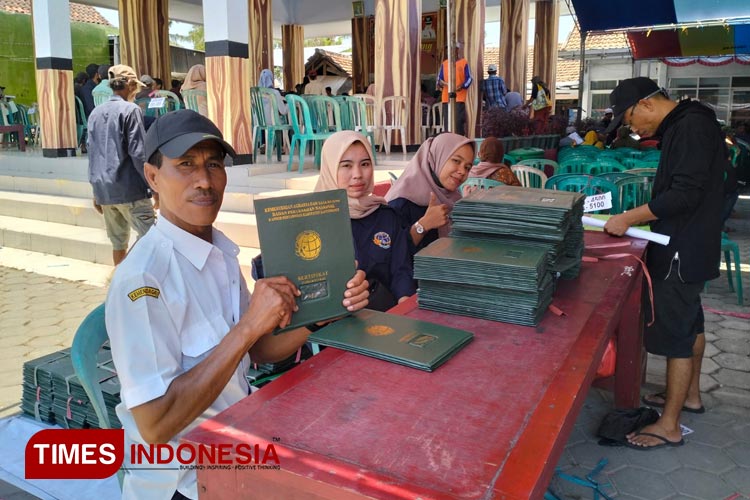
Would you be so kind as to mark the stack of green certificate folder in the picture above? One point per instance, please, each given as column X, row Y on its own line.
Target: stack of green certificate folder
column 37, row 394
column 526, row 216
column 485, row 279
column 398, row 339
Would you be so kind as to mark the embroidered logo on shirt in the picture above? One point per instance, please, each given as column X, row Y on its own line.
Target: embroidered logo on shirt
column 382, row 239
column 144, row 291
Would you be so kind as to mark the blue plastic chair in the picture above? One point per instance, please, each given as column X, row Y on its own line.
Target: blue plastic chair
column 302, row 124
column 477, row 183
column 88, row 340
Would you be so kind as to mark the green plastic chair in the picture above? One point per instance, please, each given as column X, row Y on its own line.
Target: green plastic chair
column 30, row 129
column 191, row 98
column 361, row 123
column 574, row 165
column 629, row 153
column 639, row 163
column 143, row 104
column 519, row 154
column 603, row 166
column 477, row 183
column 587, row 185
column 88, row 340
column 346, row 111
column 299, row 113
column 172, row 101
column 274, row 129
column 634, row 190
column 730, row 248
column 84, row 125
column 326, row 114
column 615, row 176
column 642, row 171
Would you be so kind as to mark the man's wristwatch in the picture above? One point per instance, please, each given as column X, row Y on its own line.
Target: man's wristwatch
column 419, row 227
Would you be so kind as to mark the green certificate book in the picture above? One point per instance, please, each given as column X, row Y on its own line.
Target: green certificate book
column 398, row 339
column 308, row 238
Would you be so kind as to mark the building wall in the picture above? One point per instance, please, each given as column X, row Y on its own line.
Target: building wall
column 17, row 71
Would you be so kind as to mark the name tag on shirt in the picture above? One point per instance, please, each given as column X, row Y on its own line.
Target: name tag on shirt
column 156, row 102
column 597, row 202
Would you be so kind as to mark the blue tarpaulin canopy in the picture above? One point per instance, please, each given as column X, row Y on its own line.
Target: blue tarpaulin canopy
column 596, row 15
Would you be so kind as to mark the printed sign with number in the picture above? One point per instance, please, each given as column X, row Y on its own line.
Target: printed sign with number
column 597, row 202
column 157, row 102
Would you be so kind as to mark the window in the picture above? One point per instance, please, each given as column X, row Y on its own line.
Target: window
column 604, row 85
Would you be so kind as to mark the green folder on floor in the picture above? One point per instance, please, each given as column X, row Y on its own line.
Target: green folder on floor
column 398, row 339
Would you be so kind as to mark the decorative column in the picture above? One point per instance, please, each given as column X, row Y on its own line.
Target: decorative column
column 360, row 55
column 545, row 42
column 470, row 34
column 442, row 36
column 260, row 47
column 227, row 73
column 292, row 45
column 398, row 36
column 54, row 77
column 514, row 21
column 144, row 37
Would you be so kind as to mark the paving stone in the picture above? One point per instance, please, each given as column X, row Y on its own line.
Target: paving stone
column 642, row 483
column 577, row 436
column 699, row 484
column 732, row 396
column 741, row 427
column 710, row 335
column 729, row 333
column 711, row 350
column 736, row 324
column 709, row 365
column 739, row 452
column 589, row 454
column 704, row 457
column 739, row 479
column 733, row 378
column 710, row 317
column 662, row 460
column 708, row 434
column 736, row 346
column 568, row 489
column 712, row 417
column 733, row 361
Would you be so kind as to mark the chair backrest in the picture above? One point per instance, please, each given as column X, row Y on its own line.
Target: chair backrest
column 574, row 165
column 604, row 166
column 257, row 107
column 642, row 171
column 437, row 117
column 427, row 119
column 80, row 111
column 371, row 106
column 361, row 119
column 172, row 101
column 325, row 113
column 540, row 164
column 299, row 114
column 88, row 340
column 393, row 111
column 615, row 176
column 587, row 185
column 474, row 183
column 191, row 97
column 529, row 176
column 143, row 103
column 634, row 190
column 101, row 95
column 345, row 107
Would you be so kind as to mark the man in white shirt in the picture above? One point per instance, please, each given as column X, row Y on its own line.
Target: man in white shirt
column 179, row 315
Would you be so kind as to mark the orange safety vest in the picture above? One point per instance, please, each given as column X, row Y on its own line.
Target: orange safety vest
column 460, row 71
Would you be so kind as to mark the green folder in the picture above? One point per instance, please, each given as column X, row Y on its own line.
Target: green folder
column 308, row 238
column 398, row 339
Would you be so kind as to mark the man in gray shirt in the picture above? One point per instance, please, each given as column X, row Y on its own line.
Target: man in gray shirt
column 116, row 157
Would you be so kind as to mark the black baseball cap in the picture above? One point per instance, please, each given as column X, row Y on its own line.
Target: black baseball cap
column 626, row 94
column 177, row 131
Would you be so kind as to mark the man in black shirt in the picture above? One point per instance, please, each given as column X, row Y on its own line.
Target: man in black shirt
column 685, row 205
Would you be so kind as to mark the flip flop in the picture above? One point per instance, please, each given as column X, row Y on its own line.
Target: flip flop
column 663, row 395
column 665, row 442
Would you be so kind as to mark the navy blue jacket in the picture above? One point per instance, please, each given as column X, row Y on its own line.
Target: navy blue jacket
column 409, row 213
column 383, row 250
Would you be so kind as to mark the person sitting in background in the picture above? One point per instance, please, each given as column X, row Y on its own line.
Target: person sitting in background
column 176, row 88
column 328, row 92
column 513, row 100
column 196, row 80
column 266, row 81
column 93, row 79
column 158, row 84
column 592, row 139
column 148, row 89
column 425, row 193
column 103, row 86
column 381, row 245
column 624, row 140
column 491, row 164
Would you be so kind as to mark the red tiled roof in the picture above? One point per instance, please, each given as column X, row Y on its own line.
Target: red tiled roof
column 78, row 13
column 344, row 61
column 596, row 41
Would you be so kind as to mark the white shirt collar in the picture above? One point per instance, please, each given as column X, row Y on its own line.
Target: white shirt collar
column 195, row 249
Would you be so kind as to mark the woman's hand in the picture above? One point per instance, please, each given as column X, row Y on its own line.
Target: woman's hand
column 436, row 215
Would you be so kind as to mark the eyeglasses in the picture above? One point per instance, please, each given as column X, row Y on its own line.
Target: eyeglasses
column 652, row 94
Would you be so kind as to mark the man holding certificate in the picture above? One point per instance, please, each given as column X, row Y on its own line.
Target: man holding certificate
column 180, row 319
column 685, row 205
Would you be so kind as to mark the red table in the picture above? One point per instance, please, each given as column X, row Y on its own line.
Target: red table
column 490, row 423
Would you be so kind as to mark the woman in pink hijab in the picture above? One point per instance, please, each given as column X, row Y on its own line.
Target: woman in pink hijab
column 381, row 245
column 425, row 193
column 196, row 80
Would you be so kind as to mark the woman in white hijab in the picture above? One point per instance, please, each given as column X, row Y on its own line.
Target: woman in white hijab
column 266, row 81
column 381, row 245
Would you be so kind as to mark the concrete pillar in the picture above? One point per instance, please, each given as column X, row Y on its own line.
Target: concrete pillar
column 293, row 45
column 470, row 34
column 228, row 73
column 144, row 37
column 54, row 77
column 398, row 38
column 514, row 22
column 545, row 42
column 260, row 46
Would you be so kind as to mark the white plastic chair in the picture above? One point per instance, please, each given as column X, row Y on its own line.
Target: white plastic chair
column 426, row 121
column 393, row 117
column 437, row 117
column 529, row 176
